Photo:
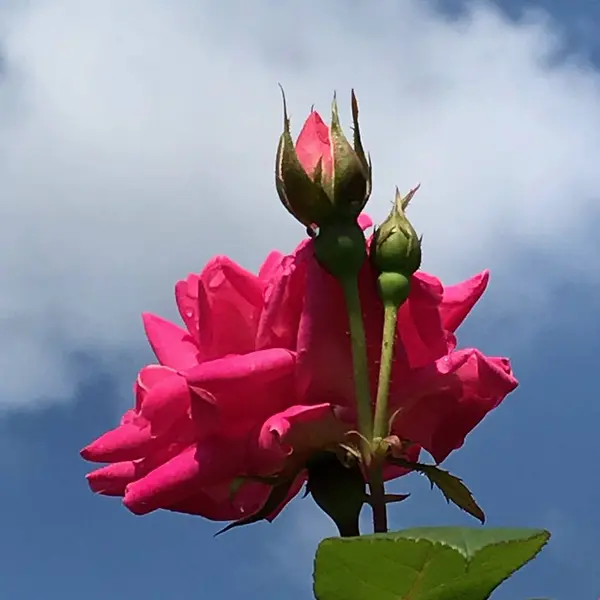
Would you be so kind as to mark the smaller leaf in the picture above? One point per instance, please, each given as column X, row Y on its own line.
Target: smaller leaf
column 452, row 487
column 276, row 497
column 238, row 482
column 390, row 498
column 235, row 486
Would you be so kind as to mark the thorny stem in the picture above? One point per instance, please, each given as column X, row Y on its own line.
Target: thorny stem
column 381, row 424
column 373, row 468
column 378, row 498
column 360, row 364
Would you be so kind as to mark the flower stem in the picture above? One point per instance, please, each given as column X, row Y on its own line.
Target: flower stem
column 381, row 424
column 360, row 364
column 378, row 498
column 363, row 403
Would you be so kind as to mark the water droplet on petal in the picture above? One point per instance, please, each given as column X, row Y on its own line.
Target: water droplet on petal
column 216, row 280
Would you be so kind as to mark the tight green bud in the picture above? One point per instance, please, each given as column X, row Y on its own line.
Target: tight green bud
column 396, row 251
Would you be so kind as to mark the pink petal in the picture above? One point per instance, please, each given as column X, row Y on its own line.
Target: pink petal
column 173, row 346
column 365, row 221
column 419, row 323
column 264, row 365
column 486, row 382
column 132, row 417
column 230, row 300
column 325, row 372
column 271, row 265
column 186, row 296
column 165, row 402
column 313, row 144
column 112, row 480
column 126, row 442
column 217, row 504
column 283, row 301
column 448, row 406
column 246, row 389
column 149, row 377
column 294, row 434
column 182, row 477
column 458, row 300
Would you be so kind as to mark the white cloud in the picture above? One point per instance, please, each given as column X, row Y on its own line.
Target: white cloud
column 137, row 139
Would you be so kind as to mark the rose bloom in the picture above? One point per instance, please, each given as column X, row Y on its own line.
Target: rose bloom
column 260, row 378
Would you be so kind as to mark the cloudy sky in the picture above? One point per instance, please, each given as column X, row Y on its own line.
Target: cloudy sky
column 137, row 139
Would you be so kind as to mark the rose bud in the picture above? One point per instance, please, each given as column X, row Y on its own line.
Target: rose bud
column 396, row 252
column 322, row 179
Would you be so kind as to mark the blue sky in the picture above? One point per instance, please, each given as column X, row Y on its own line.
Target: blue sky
column 137, row 140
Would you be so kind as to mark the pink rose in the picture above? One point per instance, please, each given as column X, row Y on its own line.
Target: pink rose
column 260, row 378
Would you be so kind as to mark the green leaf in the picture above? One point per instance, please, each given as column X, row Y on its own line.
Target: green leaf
column 428, row 563
column 452, row 487
column 277, row 495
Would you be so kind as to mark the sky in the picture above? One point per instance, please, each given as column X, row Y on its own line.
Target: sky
column 137, row 140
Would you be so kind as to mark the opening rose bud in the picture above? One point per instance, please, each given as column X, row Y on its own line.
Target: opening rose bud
column 322, row 179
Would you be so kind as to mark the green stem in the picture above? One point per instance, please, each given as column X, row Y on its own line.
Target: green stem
column 360, row 364
column 378, row 498
column 381, row 425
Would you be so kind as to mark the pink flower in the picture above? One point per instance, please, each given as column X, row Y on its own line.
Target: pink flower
column 260, row 378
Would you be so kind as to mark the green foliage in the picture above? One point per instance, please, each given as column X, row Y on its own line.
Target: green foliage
column 452, row 487
column 279, row 492
column 429, row 563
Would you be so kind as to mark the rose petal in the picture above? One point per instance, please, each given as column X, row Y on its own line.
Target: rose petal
column 183, row 476
column 313, row 144
column 459, row 299
column 271, row 265
column 126, row 442
column 365, row 221
column 173, row 346
column 325, row 371
column 167, row 401
column 230, row 301
column 112, row 480
column 186, row 296
column 283, row 301
column 419, row 322
column 287, row 439
column 468, row 385
column 149, row 377
column 245, row 390
column 263, row 365
column 217, row 504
